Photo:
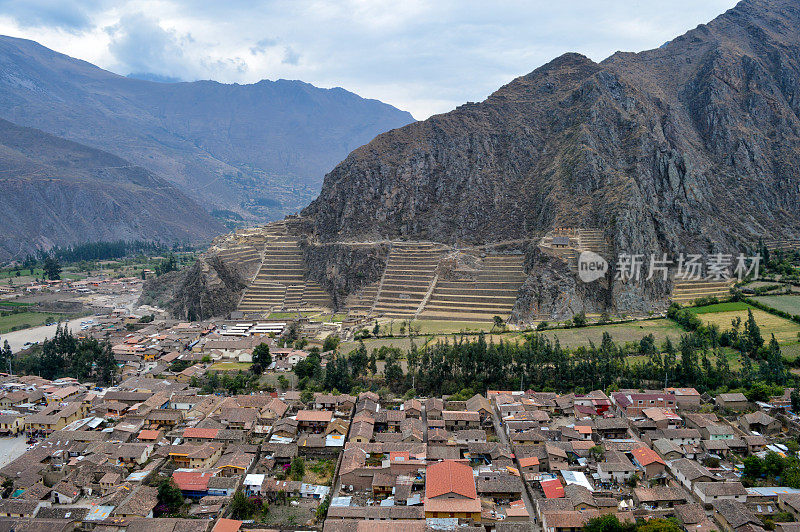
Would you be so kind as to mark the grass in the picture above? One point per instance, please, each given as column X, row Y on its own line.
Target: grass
column 785, row 303
column 436, row 326
column 230, row 366
column 785, row 331
column 730, row 306
column 25, row 320
column 660, row 328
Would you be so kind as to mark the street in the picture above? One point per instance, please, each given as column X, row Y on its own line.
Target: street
column 501, row 434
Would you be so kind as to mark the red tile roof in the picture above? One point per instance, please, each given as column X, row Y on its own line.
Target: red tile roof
column 552, row 488
column 450, row 476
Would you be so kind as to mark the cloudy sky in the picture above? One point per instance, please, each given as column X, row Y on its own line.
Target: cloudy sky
column 422, row 56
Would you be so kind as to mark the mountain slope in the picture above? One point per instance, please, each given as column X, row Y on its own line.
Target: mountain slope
column 259, row 149
column 690, row 148
column 693, row 144
column 58, row 192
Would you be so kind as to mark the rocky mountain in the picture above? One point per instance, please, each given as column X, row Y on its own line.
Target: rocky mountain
column 691, row 147
column 259, row 151
column 59, row 192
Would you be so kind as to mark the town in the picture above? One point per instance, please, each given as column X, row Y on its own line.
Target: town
column 184, row 429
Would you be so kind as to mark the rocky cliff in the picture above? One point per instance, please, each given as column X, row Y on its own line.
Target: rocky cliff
column 692, row 147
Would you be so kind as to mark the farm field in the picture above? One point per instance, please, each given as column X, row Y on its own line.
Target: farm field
column 230, row 366
column 785, row 303
column 785, row 331
column 730, row 306
column 660, row 328
column 24, row 320
column 436, row 326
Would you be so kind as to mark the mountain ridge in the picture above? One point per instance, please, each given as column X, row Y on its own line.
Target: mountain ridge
column 226, row 145
column 57, row 192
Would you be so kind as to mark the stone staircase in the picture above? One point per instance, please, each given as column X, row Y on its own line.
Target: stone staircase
column 410, row 270
column 281, row 283
column 490, row 291
column 687, row 292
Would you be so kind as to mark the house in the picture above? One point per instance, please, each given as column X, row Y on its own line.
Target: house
column 611, row 428
column 687, row 398
column 552, row 488
column 667, row 450
column 450, row 491
column 190, row 456
column 688, row 472
column 663, row 418
column 461, row 419
column 529, row 466
column 65, row 492
column 313, row 420
column 631, row 404
column 718, row 432
column 413, row 408
column 481, row 405
column 139, row 503
column 616, row 468
column 434, row 407
column 760, row 422
column 108, row 482
column 10, row 424
column 649, row 462
column 732, row 401
column 658, row 497
column 566, row 520
column 193, row 484
column 733, row 516
column 710, row 492
column 790, row 502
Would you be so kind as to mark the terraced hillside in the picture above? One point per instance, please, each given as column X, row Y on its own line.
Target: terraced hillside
column 686, row 292
column 487, row 292
column 281, row 283
column 410, row 273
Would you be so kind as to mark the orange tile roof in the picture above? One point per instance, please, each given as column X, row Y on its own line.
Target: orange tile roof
column 227, row 525
column 148, row 434
column 194, row 432
column 314, row 415
column 646, row 456
column 583, row 429
column 450, row 476
column 529, row 461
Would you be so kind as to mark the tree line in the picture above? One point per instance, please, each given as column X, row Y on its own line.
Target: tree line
column 699, row 359
column 65, row 355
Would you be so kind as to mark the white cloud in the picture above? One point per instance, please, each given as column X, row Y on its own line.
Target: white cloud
column 423, row 56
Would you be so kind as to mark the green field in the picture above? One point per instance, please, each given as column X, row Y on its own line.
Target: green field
column 24, row 320
column 785, row 303
column 730, row 306
column 785, row 331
